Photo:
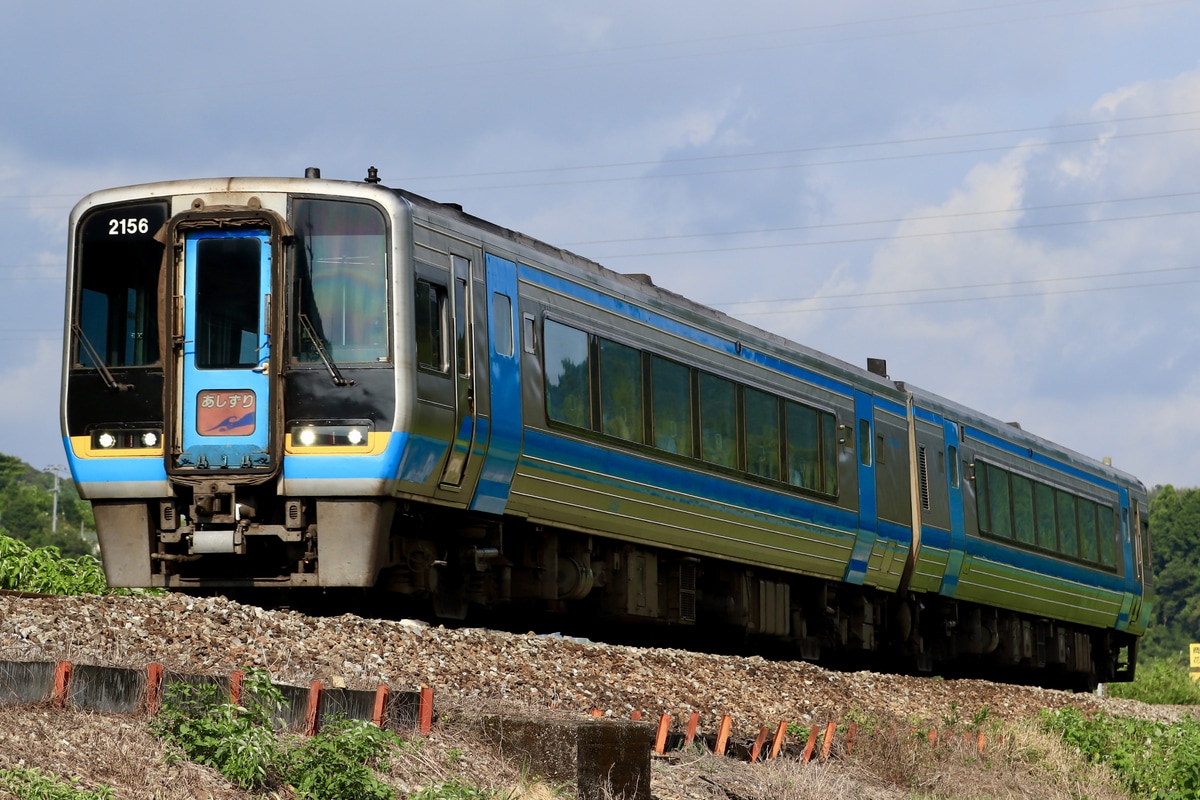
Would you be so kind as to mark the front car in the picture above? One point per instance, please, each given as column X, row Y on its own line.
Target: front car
column 231, row 353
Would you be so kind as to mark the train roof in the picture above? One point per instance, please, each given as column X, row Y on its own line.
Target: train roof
column 635, row 285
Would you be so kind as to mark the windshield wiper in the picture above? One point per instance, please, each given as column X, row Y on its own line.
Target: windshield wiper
column 334, row 372
column 97, row 361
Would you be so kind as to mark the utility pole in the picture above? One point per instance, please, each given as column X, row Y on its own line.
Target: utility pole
column 56, row 471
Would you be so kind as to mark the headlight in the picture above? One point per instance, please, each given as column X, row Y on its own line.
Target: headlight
column 126, row 439
column 325, row 434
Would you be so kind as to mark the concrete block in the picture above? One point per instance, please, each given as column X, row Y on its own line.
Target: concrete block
column 602, row 758
column 25, row 681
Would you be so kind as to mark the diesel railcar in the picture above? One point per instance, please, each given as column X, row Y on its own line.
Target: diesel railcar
column 305, row 384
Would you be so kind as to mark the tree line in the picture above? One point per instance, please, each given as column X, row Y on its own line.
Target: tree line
column 27, row 510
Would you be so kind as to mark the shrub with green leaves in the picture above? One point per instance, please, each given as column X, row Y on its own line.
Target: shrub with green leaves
column 33, row 784
column 340, row 762
column 1160, row 682
column 43, row 569
column 236, row 740
column 240, row 742
column 1154, row 759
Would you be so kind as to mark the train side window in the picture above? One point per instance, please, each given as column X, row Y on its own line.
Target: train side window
column 981, row 498
column 671, row 405
column 829, row 453
column 762, row 434
column 718, row 421
column 1144, row 529
column 429, row 302
column 864, row 442
column 620, row 391
column 530, row 334
column 462, row 345
column 999, row 502
column 1108, row 535
column 1068, row 525
column 567, row 371
column 1047, row 526
column 952, row 464
column 1023, row 516
column 1088, row 549
column 503, row 324
column 803, row 446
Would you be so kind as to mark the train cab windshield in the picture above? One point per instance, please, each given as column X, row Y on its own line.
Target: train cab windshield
column 339, row 282
column 117, row 304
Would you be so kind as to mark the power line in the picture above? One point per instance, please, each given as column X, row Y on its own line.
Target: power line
column 945, row 300
column 895, row 237
column 960, row 287
column 888, row 220
column 809, row 149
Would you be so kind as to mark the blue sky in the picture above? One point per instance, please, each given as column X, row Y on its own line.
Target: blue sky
column 1001, row 198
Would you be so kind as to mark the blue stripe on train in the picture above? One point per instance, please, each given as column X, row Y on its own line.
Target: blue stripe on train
column 675, row 328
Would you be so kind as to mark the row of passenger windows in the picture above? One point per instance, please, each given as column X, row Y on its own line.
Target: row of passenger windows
column 596, row 383
column 1012, row 506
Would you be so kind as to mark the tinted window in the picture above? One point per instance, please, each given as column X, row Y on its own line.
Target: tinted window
column 671, row 405
column 762, row 434
column 829, row 452
column 1107, row 535
column 1088, row 547
column 1068, row 529
column 503, row 324
column 803, row 446
column 567, row 375
column 1022, row 503
column 430, row 314
column 998, row 502
column 620, row 391
column 118, row 267
column 718, row 421
column 339, row 280
column 1047, row 527
column 228, row 302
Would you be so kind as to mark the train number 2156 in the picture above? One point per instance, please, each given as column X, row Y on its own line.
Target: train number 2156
column 128, row 225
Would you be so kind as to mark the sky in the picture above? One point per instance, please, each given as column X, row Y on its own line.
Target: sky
column 998, row 198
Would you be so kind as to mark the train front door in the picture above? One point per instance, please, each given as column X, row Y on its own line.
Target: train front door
column 223, row 404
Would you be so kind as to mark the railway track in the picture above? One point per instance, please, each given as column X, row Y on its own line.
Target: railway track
column 476, row 668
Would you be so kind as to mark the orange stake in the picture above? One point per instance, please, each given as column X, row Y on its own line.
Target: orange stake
column 693, row 723
column 808, row 748
column 830, row 729
column 426, row 711
column 381, row 701
column 314, row 709
column 636, row 716
column 850, row 734
column 723, row 735
column 777, row 742
column 154, row 681
column 62, row 683
column 235, row 686
column 660, row 738
column 758, row 743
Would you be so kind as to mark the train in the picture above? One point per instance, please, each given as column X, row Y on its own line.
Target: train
column 307, row 385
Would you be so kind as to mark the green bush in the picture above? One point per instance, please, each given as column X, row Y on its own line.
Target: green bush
column 43, row 569
column 340, row 762
column 1153, row 759
column 240, row 742
column 33, row 784
column 236, row 740
column 1161, row 682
